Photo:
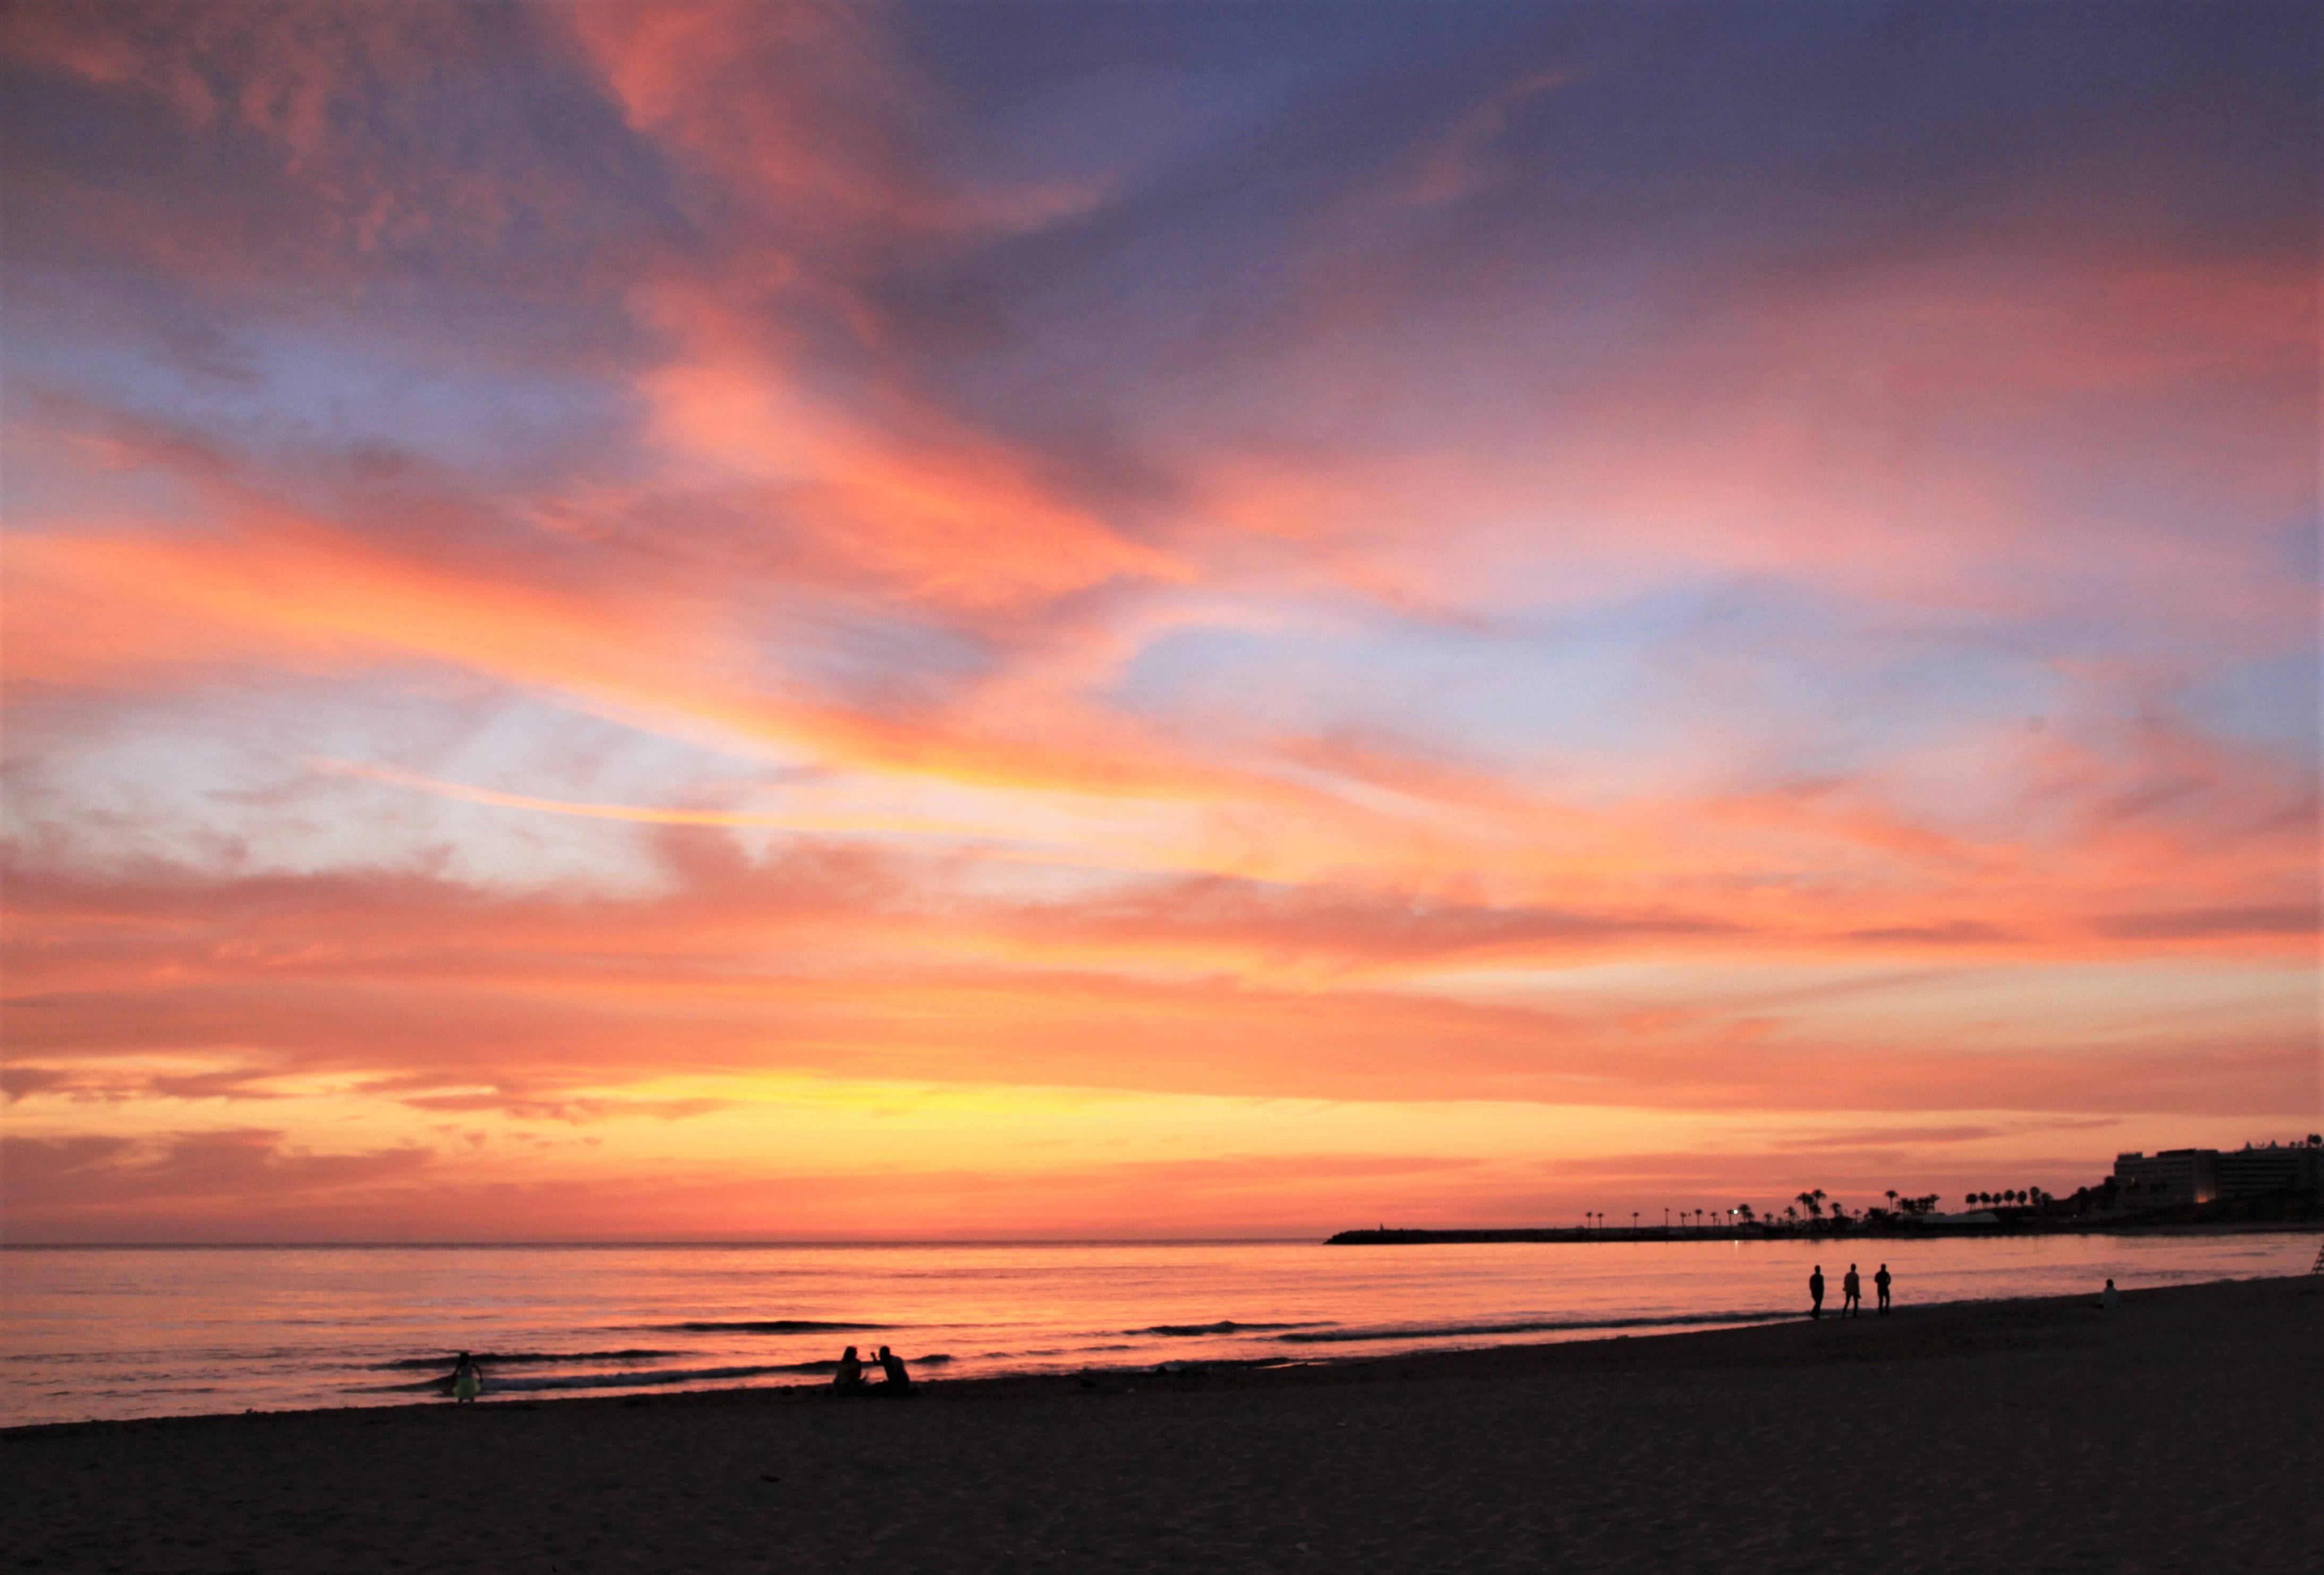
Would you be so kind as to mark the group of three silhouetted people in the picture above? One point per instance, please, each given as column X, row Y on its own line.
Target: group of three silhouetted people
column 1851, row 1292
column 849, row 1379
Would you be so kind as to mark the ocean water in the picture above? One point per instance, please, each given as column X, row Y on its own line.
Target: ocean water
column 149, row 1331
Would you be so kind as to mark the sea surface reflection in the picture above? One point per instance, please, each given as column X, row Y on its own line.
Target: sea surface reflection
column 146, row 1332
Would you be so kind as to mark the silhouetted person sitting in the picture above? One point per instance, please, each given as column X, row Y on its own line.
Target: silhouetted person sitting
column 1880, row 1284
column 1851, row 1294
column 897, row 1381
column 466, row 1381
column 2109, row 1298
column 849, row 1377
column 1815, row 1293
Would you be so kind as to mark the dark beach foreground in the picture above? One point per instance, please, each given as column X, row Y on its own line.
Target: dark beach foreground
column 2182, row 1431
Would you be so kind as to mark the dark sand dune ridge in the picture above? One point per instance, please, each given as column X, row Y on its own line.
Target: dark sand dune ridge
column 2183, row 1432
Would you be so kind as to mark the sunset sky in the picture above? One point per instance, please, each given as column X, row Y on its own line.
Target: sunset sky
column 634, row 620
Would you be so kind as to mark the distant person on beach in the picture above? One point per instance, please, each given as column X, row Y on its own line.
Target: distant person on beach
column 466, row 1381
column 1815, row 1293
column 897, row 1381
column 2109, row 1298
column 1851, row 1294
column 1880, row 1286
column 848, row 1379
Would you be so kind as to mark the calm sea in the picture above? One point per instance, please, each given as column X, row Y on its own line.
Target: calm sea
column 148, row 1332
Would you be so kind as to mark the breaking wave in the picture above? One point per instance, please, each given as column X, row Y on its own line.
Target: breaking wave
column 514, row 1357
column 656, row 1378
column 1529, row 1326
column 1225, row 1326
column 768, row 1326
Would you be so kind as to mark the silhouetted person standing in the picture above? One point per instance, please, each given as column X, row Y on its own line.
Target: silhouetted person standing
column 466, row 1381
column 1851, row 1294
column 1815, row 1293
column 1880, row 1287
column 896, row 1381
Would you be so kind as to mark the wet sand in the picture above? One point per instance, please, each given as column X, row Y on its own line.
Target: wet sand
column 2184, row 1431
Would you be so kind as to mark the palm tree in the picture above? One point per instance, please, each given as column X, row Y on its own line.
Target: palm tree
column 1891, row 1200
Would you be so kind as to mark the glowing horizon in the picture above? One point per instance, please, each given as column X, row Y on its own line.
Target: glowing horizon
column 791, row 622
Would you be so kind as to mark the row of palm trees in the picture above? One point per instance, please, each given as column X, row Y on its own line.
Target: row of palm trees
column 1926, row 1203
column 1815, row 1205
column 2023, row 1196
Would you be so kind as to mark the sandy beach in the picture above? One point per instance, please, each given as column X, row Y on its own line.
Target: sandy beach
column 2180, row 1432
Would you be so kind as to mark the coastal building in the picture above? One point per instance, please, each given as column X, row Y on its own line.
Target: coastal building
column 2179, row 1176
column 2173, row 1178
column 2254, row 1171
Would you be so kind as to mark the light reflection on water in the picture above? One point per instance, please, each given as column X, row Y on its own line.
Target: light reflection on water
column 115, row 1332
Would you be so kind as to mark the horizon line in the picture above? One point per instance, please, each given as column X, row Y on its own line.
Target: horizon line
column 7, row 1245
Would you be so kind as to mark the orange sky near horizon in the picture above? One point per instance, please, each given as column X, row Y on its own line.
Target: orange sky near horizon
column 711, row 621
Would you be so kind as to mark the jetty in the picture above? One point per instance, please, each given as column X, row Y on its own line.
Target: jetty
column 1384, row 1236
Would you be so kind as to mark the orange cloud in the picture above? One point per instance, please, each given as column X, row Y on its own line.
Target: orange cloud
column 937, row 513
column 843, row 962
